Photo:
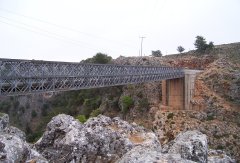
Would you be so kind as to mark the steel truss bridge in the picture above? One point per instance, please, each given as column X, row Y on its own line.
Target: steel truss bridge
column 19, row 77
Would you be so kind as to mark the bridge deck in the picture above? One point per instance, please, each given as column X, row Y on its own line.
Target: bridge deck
column 31, row 76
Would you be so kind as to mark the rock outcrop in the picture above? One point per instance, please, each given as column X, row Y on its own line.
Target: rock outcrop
column 191, row 145
column 100, row 139
column 149, row 155
column 188, row 147
column 13, row 147
column 219, row 156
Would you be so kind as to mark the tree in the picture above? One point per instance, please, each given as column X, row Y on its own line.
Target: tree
column 157, row 53
column 201, row 44
column 180, row 49
column 99, row 58
column 210, row 45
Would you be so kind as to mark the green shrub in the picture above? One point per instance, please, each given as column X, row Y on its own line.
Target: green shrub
column 99, row 58
column 89, row 105
column 127, row 102
column 95, row 113
column 220, row 147
column 92, row 102
column 34, row 113
column 210, row 117
column 81, row 118
column 157, row 53
column 201, row 44
column 170, row 116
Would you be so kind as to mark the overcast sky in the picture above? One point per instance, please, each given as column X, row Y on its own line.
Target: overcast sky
column 72, row 30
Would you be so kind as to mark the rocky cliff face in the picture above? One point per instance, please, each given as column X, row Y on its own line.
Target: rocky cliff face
column 102, row 139
column 216, row 100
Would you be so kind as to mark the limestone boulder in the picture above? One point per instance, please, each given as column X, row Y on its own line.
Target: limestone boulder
column 141, row 154
column 100, row 139
column 4, row 121
column 191, row 145
column 13, row 145
column 219, row 156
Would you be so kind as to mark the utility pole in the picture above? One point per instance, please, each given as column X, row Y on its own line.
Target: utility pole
column 142, row 37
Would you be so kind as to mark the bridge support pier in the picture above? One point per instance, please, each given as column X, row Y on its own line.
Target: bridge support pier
column 177, row 93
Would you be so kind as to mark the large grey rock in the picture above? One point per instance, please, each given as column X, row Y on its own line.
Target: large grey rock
column 141, row 154
column 219, row 156
column 100, row 139
column 191, row 145
column 4, row 121
column 13, row 145
column 14, row 149
column 16, row 132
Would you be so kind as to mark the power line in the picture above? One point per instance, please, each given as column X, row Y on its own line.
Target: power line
column 65, row 27
column 52, row 35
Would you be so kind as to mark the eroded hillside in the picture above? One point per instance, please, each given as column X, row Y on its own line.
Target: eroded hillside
column 216, row 101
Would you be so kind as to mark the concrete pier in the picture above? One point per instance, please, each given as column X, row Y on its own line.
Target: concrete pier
column 177, row 93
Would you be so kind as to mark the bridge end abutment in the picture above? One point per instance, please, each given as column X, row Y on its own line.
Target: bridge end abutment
column 177, row 93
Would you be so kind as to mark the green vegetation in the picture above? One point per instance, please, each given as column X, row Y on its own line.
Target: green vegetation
column 127, row 102
column 99, row 58
column 180, row 49
column 81, row 118
column 34, row 114
column 220, row 147
column 83, row 102
column 210, row 117
column 90, row 105
column 201, row 44
column 95, row 113
column 170, row 116
column 157, row 53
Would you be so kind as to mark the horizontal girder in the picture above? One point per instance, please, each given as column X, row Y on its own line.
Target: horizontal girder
column 31, row 76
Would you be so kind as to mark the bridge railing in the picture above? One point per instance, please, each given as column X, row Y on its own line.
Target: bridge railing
column 30, row 76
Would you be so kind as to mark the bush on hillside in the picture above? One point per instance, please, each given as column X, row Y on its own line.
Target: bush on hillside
column 34, row 114
column 81, row 118
column 180, row 49
column 127, row 102
column 99, row 58
column 95, row 113
column 157, row 53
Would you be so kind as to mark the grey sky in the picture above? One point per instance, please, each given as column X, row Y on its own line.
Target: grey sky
column 72, row 30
